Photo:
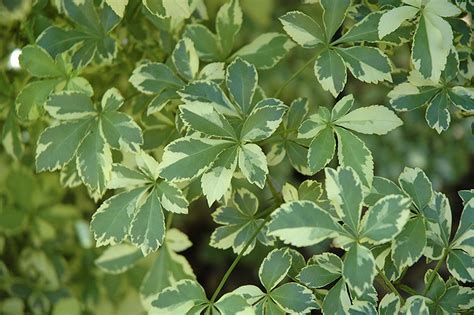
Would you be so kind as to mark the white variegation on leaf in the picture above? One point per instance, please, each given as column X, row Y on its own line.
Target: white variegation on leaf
column 253, row 164
column 189, row 157
column 390, row 304
column 179, row 299
column 344, row 191
column 147, row 228
column 408, row 245
column 241, row 81
column 274, row 268
column 154, row 78
column 359, row 269
column 118, row 259
column 265, row 51
column 302, row 29
column 217, row 180
column 185, row 59
column 384, row 220
column 263, row 120
column 303, row 223
column 367, row 64
column 111, row 222
column 228, row 23
column 375, row 119
column 353, row 152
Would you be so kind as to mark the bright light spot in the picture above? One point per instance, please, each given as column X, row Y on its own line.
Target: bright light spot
column 14, row 61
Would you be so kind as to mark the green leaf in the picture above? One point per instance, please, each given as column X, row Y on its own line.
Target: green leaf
column 93, row 24
column 352, row 152
column 303, row 223
column 118, row 6
column 212, row 72
column 121, row 132
column 330, row 71
column 228, row 23
column 337, row 300
column 56, row 40
column 168, row 267
column 417, row 186
column 390, row 304
column 342, row 107
column 321, row 150
column 241, row 81
column 263, row 120
column 233, row 303
column 457, row 299
column 118, row 259
column 393, row 19
column 432, row 42
column 461, row 265
column 94, row 162
column 239, row 223
column 294, row 298
column 334, row 13
column 185, row 59
column 462, row 97
column 180, row 298
column 367, row 64
column 438, row 227
column 381, row 187
column 362, row 308
column 364, row 30
column 344, row 191
column 217, row 180
column 12, row 138
column 437, row 114
column 407, row 96
column 205, row 42
column 111, row 222
column 415, row 305
column 29, row 101
column 375, row 119
column 407, row 247
column 302, row 29
column 39, row 63
column 153, row 78
column 312, row 126
column 204, row 118
column 112, row 100
column 464, row 237
column 187, row 158
column 322, row 270
column 69, row 105
column 58, row 144
column 171, row 197
column 253, row 164
column 274, row 268
column 147, row 229
column 385, row 220
column 208, row 92
column 265, row 51
column 359, row 269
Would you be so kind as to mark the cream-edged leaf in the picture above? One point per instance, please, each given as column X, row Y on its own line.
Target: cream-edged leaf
column 375, row 119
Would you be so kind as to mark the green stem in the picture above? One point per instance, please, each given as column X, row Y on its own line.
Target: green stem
column 435, row 271
column 407, row 289
column 297, row 73
column 237, row 259
column 390, row 285
column 276, row 195
column 169, row 220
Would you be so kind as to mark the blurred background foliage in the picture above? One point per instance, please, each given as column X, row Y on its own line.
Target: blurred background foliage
column 47, row 255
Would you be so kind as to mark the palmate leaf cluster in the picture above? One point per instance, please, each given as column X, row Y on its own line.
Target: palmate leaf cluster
column 128, row 117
